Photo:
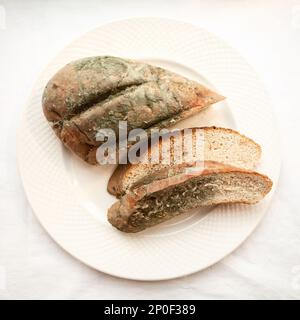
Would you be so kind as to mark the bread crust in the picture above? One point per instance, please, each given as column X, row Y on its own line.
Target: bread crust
column 115, row 184
column 97, row 92
column 119, row 214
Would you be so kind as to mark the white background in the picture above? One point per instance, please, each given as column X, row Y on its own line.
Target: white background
column 266, row 266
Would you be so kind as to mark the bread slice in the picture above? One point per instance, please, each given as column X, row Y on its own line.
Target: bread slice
column 219, row 144
column 166, row 197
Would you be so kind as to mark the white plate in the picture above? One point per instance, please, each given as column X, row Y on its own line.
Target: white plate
column 70, row 198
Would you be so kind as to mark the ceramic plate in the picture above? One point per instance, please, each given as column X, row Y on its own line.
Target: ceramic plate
column 69, row 197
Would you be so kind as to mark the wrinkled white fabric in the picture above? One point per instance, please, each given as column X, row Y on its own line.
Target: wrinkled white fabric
column 266, row 266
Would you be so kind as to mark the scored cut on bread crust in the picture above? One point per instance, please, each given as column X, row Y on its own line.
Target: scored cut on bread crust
column 162, row 199
column 220, row 144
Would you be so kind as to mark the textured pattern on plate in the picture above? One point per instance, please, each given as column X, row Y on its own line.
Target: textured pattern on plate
column 44, row 165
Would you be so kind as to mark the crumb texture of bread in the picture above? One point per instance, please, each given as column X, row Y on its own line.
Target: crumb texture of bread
column 161, row 200
column 222, row 145
column 96, row 93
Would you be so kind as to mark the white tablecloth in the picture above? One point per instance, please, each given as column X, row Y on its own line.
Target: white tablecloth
column 267, row 265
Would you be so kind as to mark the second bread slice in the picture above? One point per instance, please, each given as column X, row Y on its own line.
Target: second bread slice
column 166, row 197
